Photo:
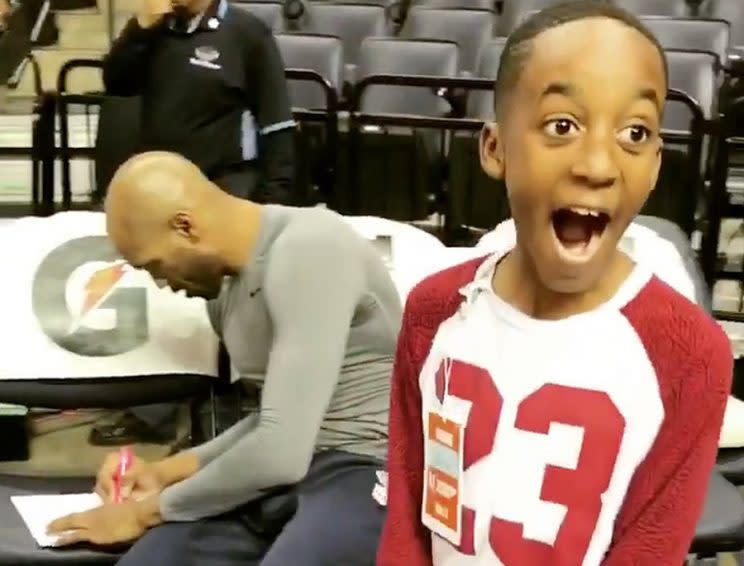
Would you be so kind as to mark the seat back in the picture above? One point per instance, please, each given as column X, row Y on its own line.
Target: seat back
column 672, row 233
column 313, row 141
column 270, row 13
column 349, row 22
column 730, row 10
column 695, row 73
column 469, row 29
column 117, row 138
column 393, row 56
column 481, row 103
column 456, row 4
column 678, row 8
column 692, row 34
column 515, row 11
column 474, row 199
column 319, row 53
column 684, row 163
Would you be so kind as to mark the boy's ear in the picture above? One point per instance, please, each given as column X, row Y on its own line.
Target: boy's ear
column 492, row 150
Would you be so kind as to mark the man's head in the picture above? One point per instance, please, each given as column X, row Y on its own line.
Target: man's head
column 580, row 93
column 163, row 215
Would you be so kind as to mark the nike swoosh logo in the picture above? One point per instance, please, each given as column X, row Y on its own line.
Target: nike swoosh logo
column 254, row 293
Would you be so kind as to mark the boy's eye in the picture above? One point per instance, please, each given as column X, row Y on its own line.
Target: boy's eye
column 635, row 134
column 560, row 127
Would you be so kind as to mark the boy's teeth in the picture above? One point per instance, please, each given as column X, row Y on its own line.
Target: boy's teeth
column 584, row 211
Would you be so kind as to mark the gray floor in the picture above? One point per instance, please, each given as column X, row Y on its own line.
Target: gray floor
column 60, row 447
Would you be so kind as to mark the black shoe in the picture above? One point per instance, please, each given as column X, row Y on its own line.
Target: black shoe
column 128, row 429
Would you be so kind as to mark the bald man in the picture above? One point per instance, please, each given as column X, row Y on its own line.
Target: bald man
column 307, row 310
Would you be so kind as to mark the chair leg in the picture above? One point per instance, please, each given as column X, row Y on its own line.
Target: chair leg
column 213, row 412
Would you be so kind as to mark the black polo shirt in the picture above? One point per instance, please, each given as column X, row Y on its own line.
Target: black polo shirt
column 209, row 90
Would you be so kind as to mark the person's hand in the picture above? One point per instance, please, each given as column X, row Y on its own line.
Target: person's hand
column 151, row 12
column 141, row 479
column 111, row 523
column 4, row 14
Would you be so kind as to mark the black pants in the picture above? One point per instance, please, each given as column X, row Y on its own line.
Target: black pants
column 336, row 523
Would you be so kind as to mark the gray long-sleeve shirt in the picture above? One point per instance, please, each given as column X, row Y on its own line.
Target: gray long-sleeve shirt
column 313, row 319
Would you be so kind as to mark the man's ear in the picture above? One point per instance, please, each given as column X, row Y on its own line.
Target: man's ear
column 183, row 223
column 492, row 150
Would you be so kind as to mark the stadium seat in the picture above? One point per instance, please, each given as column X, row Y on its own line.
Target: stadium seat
column 731, row 11
column 721, row 526
column 470, row 29
column 684, row 162
column 455, row 4
column 672, row 233
column 395, row 10
column 315, row 138
column 320, row 53
column 117, row 139
column 480, row 103
column 349, row 22
column 270, row 13
column 474, row 199
column 409, row 58
column 678, row 8
column 731, row 464
column 692, row 34
column 392, row 171
column 514, row 11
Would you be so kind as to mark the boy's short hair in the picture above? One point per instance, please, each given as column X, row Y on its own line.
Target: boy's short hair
column 518, row 45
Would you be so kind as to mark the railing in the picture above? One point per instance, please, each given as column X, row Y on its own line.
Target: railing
column 444, row 87
column 329, row 118
column 44, row 152
column 41, row 153
column 64, row 100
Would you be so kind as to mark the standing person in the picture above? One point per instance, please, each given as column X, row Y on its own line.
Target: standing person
column 556, row 404
column 213, row 89
column 308, row 311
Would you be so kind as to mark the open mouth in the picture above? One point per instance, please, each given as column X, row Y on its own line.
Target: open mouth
column 578, row 232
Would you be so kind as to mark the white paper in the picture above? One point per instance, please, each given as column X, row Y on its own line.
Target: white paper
column 37, row 511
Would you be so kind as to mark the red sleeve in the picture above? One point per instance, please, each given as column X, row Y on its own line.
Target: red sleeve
column 405, row 540
column 692, row 358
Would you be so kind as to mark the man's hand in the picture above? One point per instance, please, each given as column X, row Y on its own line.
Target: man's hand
column 4, row 14
column 139, row 482
column 111, row 523
column 151, row 12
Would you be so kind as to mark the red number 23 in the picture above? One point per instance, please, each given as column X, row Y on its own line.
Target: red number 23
column 579, row 490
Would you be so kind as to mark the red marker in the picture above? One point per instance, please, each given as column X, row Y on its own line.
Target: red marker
column 125, row 461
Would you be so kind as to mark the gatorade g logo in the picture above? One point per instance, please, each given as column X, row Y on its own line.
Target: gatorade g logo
column 87, row 300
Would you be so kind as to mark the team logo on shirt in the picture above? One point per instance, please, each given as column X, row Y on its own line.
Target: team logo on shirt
column 89, row 301
column 205, row 56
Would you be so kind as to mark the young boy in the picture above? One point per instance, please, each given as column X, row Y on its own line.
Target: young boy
column 557, row 405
